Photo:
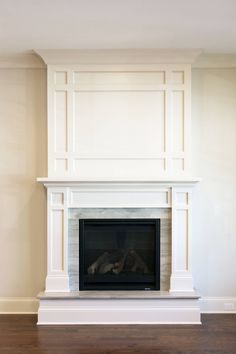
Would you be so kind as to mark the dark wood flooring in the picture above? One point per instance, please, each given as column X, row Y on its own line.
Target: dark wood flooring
column 19, row 334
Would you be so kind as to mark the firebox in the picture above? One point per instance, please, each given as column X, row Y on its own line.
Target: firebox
column 119, row 254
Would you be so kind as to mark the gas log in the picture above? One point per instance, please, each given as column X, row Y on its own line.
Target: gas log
column 115, row 262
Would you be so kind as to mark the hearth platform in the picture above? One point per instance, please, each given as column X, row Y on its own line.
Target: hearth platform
column 119, row 307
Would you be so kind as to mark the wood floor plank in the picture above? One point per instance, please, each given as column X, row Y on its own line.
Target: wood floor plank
column 19, row 334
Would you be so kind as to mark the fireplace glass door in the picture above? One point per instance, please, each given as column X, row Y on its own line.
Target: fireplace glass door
column 119, row 254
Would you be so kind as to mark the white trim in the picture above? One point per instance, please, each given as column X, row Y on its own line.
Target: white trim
column 18, row 305
column 29, row 305
column 69, row 182
column 118, row 56
column 202, row 61
column 119, row 311
column 218, row 304
column 118, row 195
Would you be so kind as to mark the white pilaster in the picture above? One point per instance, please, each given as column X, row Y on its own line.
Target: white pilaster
column 57, row 267
column 181, row 276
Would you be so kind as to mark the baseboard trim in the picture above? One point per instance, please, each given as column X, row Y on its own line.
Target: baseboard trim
column 29, row 305
column 218, row 304
column 18, row 305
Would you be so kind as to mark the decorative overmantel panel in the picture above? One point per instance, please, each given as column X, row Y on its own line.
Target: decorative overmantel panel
column 114, row 117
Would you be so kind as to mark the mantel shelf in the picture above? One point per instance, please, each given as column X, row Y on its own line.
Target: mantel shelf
column 49, row 182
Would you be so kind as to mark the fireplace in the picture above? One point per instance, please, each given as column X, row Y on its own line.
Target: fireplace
column 119, row 254
column 119, row 147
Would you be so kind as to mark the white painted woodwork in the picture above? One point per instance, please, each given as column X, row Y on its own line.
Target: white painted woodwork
column 181, row 275
column 119, row 121
column 119, row 137
column 57, row 240
column 118, row 56
column 61, row 197
column 181, row 310
column 193, row 57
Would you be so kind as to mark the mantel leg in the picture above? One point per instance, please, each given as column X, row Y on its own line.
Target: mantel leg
column 181, row 277
column 57, row 256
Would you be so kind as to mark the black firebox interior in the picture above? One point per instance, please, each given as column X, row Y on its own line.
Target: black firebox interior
column 119, row 254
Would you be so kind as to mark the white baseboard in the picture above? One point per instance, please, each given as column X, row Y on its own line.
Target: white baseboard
column 24, row 305
column 218, row 304
column 18, row 305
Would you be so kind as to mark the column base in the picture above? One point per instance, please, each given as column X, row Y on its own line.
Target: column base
column 57, row 283
column 181, row 283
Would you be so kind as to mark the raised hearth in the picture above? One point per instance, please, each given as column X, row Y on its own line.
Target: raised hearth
column 119, row 307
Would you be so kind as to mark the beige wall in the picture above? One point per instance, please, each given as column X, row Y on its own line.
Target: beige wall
column 23, row 203
column 214, row 156
column 22, row 159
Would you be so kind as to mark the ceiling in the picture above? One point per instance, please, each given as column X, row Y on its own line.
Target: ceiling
column 71, row 24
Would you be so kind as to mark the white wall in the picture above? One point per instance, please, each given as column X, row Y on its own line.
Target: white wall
column 23, row 158
column 214, row 156
column 23, row 202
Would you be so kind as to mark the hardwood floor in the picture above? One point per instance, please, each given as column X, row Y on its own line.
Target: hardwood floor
column 19, row 334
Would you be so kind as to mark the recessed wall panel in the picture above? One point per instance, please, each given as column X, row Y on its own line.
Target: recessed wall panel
column 57, row 240
column 119, row 124
column 119, row 80
column 182, row 231
column 178, row 121
column 60, row 121
column 110, row 169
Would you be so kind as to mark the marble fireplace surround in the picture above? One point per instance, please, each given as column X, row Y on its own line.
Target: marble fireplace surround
column 67, row 201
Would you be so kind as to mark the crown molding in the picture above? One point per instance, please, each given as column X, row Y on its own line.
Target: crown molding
column 40, row 58
column 21, row 61
column 118, row 56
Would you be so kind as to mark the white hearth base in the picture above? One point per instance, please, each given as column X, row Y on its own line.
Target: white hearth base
column 119, row 308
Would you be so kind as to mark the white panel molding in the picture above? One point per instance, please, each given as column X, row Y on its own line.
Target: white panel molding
column 86, row 134
column 119, row 199
column 18, row 305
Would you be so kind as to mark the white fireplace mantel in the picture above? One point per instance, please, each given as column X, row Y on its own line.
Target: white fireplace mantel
column 65, row 194
column 119, row 136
